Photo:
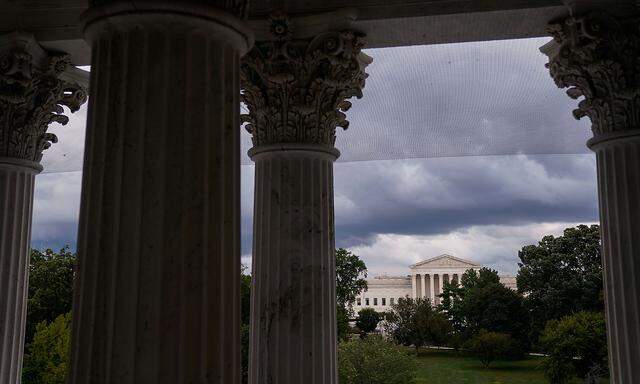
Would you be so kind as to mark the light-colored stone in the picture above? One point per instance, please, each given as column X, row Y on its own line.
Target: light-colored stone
column 17, row 180
column 430, row 271
column 157, row 289
column 596, row 56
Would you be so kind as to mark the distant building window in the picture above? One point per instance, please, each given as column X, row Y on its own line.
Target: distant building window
column 384, row 301
column 391, row 301
column 366, row 301
column 375, row 301
column 358, row 302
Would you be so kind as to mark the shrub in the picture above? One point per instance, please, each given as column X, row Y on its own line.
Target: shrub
column 557, row 371
column 490, row 346
column 374, row 361
column 457, row 342
column 47, row 360
column 576, row 345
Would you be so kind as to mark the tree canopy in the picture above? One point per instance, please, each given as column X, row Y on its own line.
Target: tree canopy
column 351, row 273
column 368, row 320
column 47, row 357
column 575, row 344
column 417, row 323
column 562, row 275
column 50, row 287
column 483, row 302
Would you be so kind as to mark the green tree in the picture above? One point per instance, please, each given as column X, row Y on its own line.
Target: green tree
column 343, row 323
column 47, row 358
column 562, row 275
column 368, row 320
column 374, row 361
column 482, row 302
column 351, row 273
column 490, row 346
column 417, row 323
column 440, row 330
column 576, row 345
column 50, row 287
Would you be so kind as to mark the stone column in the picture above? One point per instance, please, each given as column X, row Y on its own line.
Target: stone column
column 432, row 292
column 414, row 286
column 296, row 91
column 423, row 285
column 33, row 89
column 596, row 55
column 157, row 290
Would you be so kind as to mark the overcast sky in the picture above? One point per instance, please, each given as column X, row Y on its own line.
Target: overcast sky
column 460, row 99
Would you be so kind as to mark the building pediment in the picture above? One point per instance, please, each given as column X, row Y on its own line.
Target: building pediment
column 445, row 261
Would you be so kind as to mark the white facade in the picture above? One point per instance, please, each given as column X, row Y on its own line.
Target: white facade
column 425, row 280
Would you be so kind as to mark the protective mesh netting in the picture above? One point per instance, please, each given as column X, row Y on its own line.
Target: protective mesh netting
column 466, row 99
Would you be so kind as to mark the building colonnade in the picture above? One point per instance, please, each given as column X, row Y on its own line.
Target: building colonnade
column 430, row 285
column 157, row 287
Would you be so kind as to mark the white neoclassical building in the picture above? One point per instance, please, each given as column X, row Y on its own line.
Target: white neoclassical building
column 425, row 280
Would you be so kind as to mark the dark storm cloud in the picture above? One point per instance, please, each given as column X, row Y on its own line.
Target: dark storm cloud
column 437, row 196
column 55, row 210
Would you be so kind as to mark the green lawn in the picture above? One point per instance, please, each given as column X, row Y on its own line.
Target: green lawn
column 445, row 367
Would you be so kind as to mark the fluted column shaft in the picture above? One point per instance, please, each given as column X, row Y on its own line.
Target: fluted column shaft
column 414, row 286
column 293, row 329
column 432, row 293
column 157, row 291
column 619, row 190
column 16, row 205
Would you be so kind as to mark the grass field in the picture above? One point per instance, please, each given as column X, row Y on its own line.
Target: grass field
column 445, row 367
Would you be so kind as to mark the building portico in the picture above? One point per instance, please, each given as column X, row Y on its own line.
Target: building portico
column 425, row 280
column 431, row 274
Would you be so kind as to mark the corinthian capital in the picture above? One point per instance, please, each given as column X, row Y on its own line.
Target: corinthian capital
column 297, row 90
column 33, row 91
column 598, row 57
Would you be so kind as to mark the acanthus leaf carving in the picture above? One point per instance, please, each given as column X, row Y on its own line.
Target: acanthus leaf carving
column 297, row 90
column 597, row 57
column 32, row 96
